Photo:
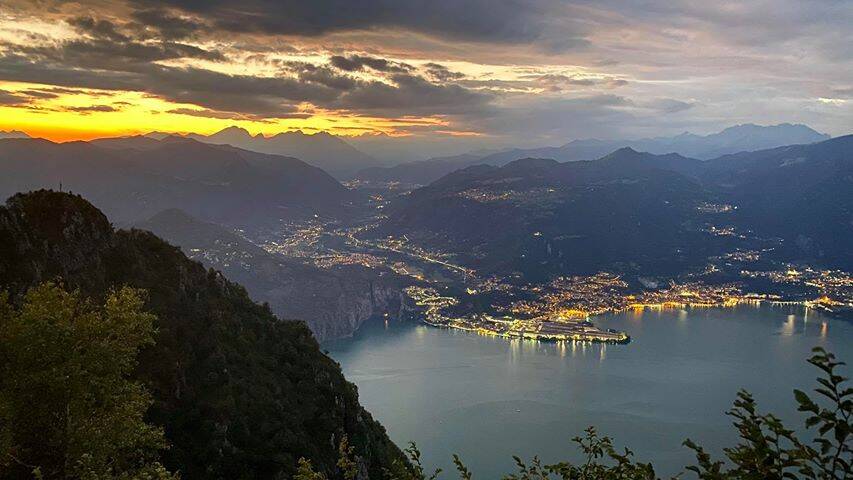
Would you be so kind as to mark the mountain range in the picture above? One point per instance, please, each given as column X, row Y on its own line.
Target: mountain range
column 133, row 178
column 540, row 217
column 734, row 139
column 635, row 212
column 321, row 149
column 13, row 134
column 627, row 211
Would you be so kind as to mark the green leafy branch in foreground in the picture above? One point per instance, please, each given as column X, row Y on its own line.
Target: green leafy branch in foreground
column 67, row 407
column 767, row 449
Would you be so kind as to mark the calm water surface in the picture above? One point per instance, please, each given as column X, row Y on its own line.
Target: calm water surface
column 489, row 398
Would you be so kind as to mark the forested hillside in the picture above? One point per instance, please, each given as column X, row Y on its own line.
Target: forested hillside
column 239, row 393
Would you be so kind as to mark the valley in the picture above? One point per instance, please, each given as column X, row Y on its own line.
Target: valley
column 426, row 240
column 444, row 289
column 534, row 248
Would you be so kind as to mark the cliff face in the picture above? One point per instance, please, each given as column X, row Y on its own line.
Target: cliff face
column 334, row 302
column 354, row 308
column 239, row 393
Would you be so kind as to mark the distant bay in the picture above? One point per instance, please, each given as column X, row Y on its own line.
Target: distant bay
column 490, row 398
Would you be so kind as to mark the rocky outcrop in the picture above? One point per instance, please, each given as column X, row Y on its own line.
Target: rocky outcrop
column 356, row 307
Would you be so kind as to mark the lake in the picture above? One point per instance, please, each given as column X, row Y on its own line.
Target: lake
column 489, row 398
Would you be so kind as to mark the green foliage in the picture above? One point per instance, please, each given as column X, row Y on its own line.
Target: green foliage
column 412, row 469
column 67, row 406
column 346, row 460
column 305, row 471
column 347, row 465
column 464, row 473
column 603, row 462
column 768, row 450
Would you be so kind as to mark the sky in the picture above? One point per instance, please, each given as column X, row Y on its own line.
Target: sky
column 473, row 73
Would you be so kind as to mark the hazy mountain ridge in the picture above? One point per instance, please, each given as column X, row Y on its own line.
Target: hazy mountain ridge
column 635, row 211
column 420, row 171
column 322, row 149
column 135, row 177
column 333, row 302
column 239, row 392
column 734, row 139
column 13, row 134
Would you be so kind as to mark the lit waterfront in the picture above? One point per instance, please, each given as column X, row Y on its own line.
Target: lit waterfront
column 563, row 309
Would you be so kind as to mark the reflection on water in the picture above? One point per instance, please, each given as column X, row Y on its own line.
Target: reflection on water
column 788, row 327
column 488, row 398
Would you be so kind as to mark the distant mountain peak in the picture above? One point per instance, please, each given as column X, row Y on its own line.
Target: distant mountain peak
column 13, row 134
column 623, row 153
column 299, row 133
column 233, row 129
column 752, row 128
column 173, row 138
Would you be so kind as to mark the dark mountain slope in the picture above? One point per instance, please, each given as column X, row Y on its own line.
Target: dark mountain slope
column 626, row 212
column 240, row 393
column 803, row 193
column 637, row 212
column 134, row 179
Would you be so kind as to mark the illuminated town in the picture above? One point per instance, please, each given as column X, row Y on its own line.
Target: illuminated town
column 444, row 293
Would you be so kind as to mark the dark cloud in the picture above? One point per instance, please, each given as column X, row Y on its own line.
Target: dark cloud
column 414, row 95
column 751, row 63
column 206, row 88
column 234, row 93
column 91, row 108
column 25, row 68
column 205, row 113
column 98, row 28
column 321, row 74
column 355, row 63
column 8, row 98
column 39, row 94
column 258, row 96
column 100, row 53
column 472, row 20
column 167, row 25
column 68, row 91
column 441, row 73
column 105, row 46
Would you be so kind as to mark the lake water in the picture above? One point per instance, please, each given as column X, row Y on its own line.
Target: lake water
column 489, row 398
